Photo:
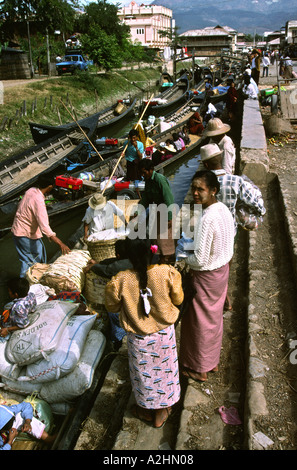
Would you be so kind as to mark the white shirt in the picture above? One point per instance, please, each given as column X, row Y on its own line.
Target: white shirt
column 250, row 91
column 214, row 239
column 102, row 219
column 229, row 154
column 265, row 61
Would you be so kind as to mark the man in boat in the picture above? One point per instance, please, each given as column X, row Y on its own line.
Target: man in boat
column 133, row 154
column 31, row 222
column 157, row 191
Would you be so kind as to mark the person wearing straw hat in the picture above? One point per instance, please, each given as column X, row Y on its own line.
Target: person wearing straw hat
column 169, row 151
column 217, row 131
column 99, row 215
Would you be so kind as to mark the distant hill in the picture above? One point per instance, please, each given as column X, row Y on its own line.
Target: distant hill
column 246, row 16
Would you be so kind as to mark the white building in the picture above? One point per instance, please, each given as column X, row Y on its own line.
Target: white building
column 145, row 22
column 291, row 32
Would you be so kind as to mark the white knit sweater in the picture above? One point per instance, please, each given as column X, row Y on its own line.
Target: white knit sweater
column 214, row 239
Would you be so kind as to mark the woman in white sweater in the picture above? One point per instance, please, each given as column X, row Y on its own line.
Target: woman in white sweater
column 202, row 323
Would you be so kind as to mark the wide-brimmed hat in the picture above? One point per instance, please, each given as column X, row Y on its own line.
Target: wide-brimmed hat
column 209, row 151
column 216, row 127
column 170, row 148
column 97, row 201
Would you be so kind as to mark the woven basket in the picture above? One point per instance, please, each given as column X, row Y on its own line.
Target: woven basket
column 102, row 249
column 94, row 290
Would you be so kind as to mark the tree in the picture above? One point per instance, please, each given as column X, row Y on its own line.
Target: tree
column 50, row 14
column 102, row 48
column 105, row 38
column 103, row 15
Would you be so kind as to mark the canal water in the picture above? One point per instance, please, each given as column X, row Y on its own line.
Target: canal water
column 179, row 175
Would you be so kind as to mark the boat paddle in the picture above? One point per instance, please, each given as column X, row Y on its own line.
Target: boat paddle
column 82, row 131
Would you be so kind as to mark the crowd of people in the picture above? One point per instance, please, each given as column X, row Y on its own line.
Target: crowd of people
column 145, row 294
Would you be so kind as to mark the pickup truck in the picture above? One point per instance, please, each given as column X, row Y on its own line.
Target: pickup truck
column 71, row 63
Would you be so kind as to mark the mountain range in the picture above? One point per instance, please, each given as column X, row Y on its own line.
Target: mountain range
column 245, row 16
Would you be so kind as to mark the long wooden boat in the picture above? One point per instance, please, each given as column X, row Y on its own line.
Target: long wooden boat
column 165, row 81
column 21, row 171
column 107, row 118
column 170, row 99
column 100, row 171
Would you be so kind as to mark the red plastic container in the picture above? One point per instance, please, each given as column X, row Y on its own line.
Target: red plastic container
column 111, row 141
column 69, row 182
column 120, row 186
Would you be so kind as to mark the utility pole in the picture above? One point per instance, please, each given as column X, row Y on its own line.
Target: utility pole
column 48, row 54
column 30, row 50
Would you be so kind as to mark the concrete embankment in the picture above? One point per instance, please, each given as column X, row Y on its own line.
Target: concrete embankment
column 110, row 424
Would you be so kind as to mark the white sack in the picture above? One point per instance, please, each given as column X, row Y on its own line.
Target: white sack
column 43, row 334
column 7, row 369
column 63, row 360
column 80, row 379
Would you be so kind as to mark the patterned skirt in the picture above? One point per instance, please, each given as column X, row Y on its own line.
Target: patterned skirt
column 153, row 365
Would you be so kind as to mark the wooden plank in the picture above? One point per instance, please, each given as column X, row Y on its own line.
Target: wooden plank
column 15, row 178
column 288, row 109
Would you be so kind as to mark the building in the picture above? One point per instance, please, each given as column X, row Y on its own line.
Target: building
column 211, row 40
column 145, row 22
column 291, row 32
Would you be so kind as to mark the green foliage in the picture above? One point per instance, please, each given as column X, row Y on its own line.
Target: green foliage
column 103, row 15
column 102, row 48
column 50, row 14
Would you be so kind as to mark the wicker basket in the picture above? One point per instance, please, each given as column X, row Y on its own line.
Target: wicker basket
column 102, row 249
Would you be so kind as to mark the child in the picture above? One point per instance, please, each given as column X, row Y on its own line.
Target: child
column 15, row 315
column 178, row 142
column 16, row 418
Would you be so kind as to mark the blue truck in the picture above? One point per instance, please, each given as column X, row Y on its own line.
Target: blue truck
column 71, row 63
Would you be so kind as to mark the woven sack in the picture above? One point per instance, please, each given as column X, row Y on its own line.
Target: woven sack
column 35, row 272
column 66, row 273
column 94, row 290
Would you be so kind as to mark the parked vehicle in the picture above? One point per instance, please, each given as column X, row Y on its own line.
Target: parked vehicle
column 71, row 64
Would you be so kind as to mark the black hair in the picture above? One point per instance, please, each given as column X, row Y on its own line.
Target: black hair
column 247, row 79
column 133, row 132
column 140, row 255
column 7, row 426
column 19, row 286
column 44, row 181
column 209, row 177
column 146, row 164
column 121, row 248
column 175, row 136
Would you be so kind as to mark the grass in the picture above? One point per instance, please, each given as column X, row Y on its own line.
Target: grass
column 84, row 92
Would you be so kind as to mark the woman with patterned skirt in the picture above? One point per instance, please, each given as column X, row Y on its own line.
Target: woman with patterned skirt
column 147, row 298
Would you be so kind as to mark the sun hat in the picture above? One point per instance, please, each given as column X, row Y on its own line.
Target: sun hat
column 97, row 201
column 216, row 127
column 170, row 148
column 209, row 151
